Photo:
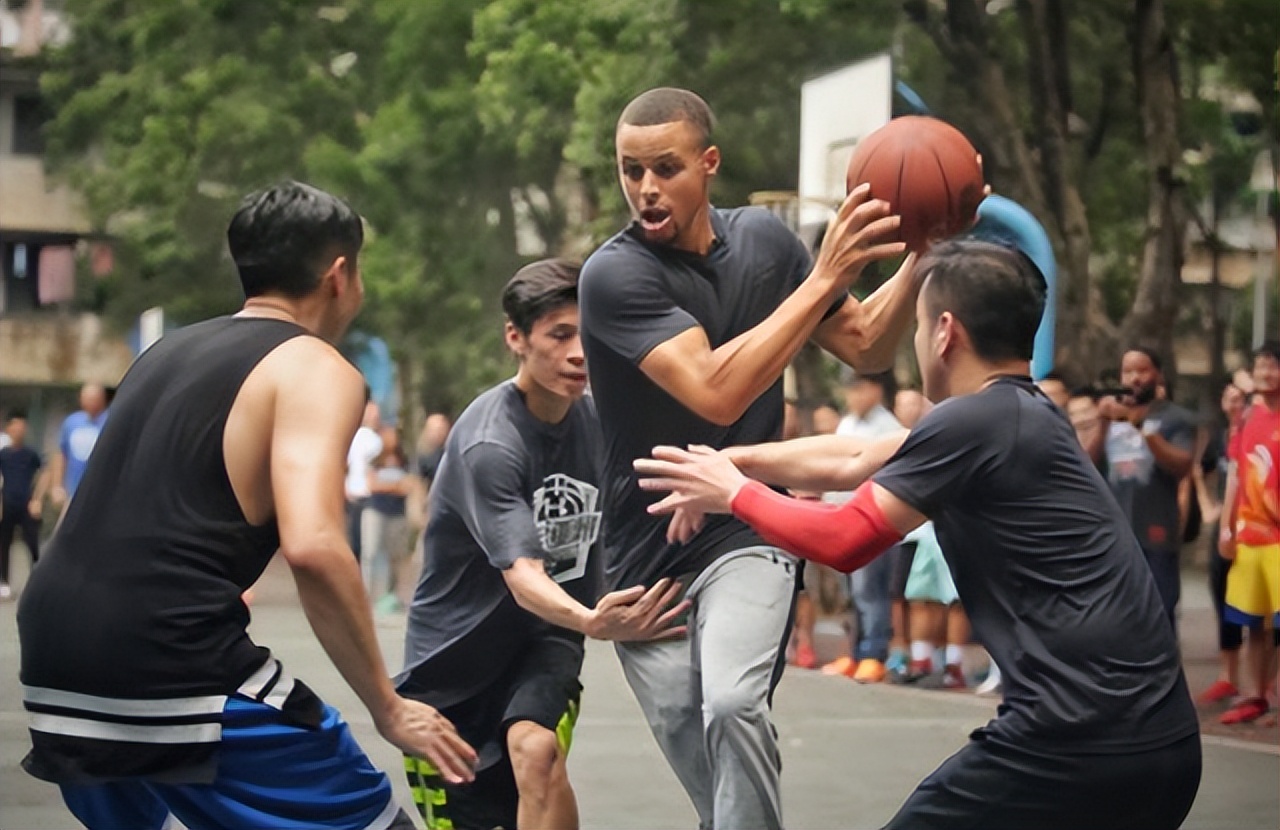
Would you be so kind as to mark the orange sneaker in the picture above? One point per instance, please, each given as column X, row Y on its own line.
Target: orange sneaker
column 845, row 666
column 869, row 671
column 805, row 658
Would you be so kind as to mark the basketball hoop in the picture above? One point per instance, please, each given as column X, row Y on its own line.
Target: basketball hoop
column 785, row 204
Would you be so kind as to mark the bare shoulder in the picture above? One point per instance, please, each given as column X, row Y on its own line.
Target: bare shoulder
column 308, row 364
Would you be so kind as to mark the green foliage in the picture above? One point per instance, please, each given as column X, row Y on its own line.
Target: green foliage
column 431, row 116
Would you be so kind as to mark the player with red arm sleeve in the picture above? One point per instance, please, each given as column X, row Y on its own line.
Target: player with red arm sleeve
column 1043, row 558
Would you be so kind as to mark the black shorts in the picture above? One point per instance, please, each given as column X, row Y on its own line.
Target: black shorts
column 994, row 786
column 541, row 687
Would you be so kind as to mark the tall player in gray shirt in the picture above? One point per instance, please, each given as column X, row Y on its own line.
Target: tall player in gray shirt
column 511, row 573
column 689, row 317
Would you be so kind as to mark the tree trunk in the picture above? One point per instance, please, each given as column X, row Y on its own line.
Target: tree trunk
column 1151, row 320
column 1040, row 176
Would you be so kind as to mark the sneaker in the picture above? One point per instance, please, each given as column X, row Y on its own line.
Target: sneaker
column 5, row 591
column 1219, row 691
column 844, row 666
column 869, row 671
column 805, row 657
column 953, row 677
column 1246, row 711
column 897, row 663
column 917, row 670
column 389, row 604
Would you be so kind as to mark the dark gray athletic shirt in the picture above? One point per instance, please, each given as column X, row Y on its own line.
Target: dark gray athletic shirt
column 508, row 486
column 1049, row 573
column 1147, row 494
column 634, row 297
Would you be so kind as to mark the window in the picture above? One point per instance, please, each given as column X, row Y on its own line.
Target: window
column 29, row 117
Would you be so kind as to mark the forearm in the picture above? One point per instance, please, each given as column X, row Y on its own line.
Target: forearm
column 844, row 537
column 1172, row 460
column 866, row 334
column 818, row 462
column 719, row 384
column 539, row 594
column 42, row 486
column 58, row 471
column 337, row 608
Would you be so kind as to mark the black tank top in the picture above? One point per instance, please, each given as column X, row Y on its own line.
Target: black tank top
column 139, row 593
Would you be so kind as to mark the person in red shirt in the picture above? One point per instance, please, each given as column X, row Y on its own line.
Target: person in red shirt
column 1251, row 532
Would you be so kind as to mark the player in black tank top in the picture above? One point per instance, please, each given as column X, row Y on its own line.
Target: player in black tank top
column 227, row 442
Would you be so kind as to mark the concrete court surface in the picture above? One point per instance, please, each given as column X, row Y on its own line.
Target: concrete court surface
column 851, row 753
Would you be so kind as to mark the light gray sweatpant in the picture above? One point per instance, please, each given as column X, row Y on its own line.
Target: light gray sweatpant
column 706, row 697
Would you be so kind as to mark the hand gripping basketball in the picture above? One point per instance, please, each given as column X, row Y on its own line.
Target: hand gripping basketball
column 862, row 232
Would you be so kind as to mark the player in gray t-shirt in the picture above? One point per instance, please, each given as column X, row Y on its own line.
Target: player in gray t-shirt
column 511, row 572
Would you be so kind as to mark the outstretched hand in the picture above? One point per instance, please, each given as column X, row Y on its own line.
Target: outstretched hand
column 683, row 525
column 419, row 730
column 862, row 231
column 699, row 479
column 638, row 614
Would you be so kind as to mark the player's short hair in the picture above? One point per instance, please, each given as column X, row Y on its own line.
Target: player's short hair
column 1157, row 362
column 667, row 104
column 1269, row 348
column 282, row 237
column 538, row 289
column 994, row 290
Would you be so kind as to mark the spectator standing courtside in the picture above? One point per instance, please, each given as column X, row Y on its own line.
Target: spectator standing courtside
column 22, row 484
column 365, row 447
column 1147, row 446
column 76, row 440
column 869, row 587
column 1250, row 535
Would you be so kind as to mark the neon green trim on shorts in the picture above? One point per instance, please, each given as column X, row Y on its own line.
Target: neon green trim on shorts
column 564, row 729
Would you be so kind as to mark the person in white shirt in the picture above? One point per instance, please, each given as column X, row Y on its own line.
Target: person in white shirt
column 867, row 417
column 365, row 447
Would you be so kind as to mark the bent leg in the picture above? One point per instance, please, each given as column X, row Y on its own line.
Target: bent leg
column 668, row 688
column 546, row 797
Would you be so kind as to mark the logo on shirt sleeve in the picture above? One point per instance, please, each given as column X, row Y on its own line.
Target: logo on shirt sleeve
column 568, row 524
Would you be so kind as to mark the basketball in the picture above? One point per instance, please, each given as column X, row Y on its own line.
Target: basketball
column 926, row 170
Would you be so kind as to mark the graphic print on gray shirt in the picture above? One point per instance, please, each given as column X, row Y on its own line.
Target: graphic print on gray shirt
column 1147, row 494
column 509, row 486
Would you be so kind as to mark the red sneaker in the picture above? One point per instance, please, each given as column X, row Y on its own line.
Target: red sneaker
column 953, row 677
column 1246, row 711
column 805, row 658
column 1219, row 691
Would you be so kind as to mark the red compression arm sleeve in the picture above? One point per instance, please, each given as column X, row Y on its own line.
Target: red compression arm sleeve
column 842, row 536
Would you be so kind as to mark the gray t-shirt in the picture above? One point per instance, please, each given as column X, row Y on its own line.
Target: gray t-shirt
column 635, row 296
column 509, row 486
column 1147, row 494
column 1049, row 574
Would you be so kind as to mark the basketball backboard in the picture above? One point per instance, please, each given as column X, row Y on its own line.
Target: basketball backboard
column 836, row 110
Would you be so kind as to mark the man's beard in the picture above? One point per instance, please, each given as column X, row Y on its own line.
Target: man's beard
column 1143, row 395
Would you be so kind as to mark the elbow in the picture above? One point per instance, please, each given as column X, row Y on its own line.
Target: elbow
column 720, row 409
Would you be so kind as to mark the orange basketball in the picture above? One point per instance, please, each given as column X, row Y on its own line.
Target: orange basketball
column 926, row 170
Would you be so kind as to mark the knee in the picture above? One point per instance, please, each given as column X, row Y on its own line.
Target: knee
column 534, row 752
column 731, row 708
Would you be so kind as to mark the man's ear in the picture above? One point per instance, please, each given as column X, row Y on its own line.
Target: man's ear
column 514, row 339
column 711, row 160
column 336, row 278
column 946, row 334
